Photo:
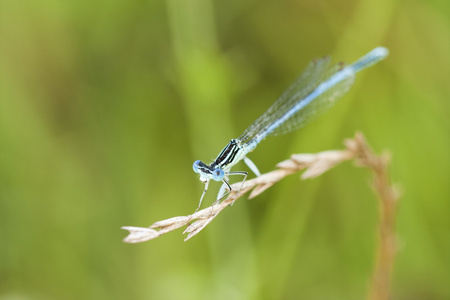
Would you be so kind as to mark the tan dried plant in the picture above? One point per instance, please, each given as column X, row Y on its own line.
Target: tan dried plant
column 356, row 149
column 313, row 164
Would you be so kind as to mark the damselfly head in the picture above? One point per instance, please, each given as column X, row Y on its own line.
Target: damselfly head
column 218, row 174
column 196, row 165
column 204, row 179
column 207, row 172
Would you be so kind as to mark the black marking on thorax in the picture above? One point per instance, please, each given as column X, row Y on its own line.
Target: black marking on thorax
column 227, row 155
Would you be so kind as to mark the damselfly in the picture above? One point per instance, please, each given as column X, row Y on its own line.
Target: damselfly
column 315, row 90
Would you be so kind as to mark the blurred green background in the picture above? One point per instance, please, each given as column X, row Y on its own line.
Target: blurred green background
column 105, row 105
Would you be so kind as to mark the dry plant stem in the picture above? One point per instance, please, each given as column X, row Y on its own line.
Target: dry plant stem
column 314, row 165
column 388, row 196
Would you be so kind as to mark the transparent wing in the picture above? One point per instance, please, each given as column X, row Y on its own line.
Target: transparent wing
column 316, row 107
column 300, row 88
column 316, row 73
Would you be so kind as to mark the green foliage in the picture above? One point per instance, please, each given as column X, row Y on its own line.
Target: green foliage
column 105, row 105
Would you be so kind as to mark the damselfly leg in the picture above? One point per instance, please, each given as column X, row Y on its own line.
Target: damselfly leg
column 225, row 189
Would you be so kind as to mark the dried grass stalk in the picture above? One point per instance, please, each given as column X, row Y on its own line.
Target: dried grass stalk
column 314, row 165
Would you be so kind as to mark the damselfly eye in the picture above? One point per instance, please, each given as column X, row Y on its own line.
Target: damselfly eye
column 218, row 174
column 195, row 166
